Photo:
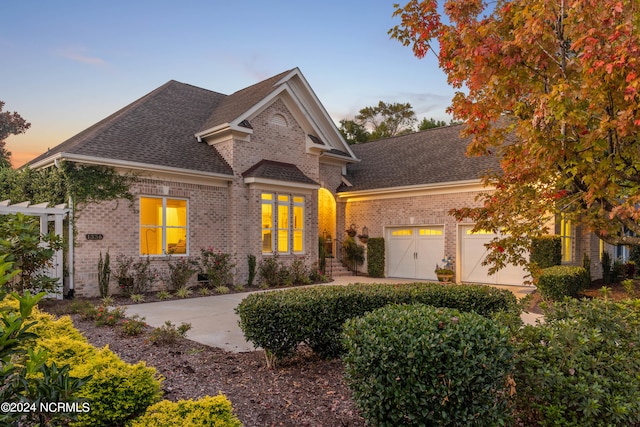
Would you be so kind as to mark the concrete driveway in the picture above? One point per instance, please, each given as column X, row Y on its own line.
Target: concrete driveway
column 214, row 322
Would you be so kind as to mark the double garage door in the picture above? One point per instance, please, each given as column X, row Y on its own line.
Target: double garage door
column 413, row 252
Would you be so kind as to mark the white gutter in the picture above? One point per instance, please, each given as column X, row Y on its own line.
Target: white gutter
column 436, row 188
column 90, row 160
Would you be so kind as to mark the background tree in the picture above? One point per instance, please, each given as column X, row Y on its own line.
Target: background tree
column 387, row 120
column 430, row 123
column 10, row 124
column 353, row 132
column 551, row 86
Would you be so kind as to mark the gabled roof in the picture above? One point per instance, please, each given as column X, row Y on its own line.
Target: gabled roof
column 163, row 129
column 278, row 171
column 234, row 105
column 429, row 157
column 157, row 129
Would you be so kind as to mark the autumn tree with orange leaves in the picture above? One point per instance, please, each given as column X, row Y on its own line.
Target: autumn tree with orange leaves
column 551, row 86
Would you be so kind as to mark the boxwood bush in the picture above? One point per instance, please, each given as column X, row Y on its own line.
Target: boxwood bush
column 207, row 411
column 416, row 365
column 279, row 321
column 581, row 366
column 561, row 281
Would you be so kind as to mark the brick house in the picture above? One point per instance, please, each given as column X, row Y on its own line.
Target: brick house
column 265, row 170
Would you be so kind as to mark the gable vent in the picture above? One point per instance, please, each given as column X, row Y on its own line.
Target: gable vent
column 278, row 120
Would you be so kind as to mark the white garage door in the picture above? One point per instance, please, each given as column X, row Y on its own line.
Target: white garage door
column 413, row 252
column 473, row 252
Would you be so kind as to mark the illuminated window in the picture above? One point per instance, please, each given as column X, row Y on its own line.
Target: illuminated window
column 470, row 231
column 163, row 226
column 282, row 223
column 403, row 232
column 564, row 229
column 431, row 231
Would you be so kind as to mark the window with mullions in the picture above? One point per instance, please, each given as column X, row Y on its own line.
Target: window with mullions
column 282, row 223
column 163, row 226
column 564, row 229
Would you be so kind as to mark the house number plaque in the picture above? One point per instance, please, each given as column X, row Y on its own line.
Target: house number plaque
column 94, row 236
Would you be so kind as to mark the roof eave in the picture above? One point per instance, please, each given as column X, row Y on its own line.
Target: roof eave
column 124, row 164
column 403, row 191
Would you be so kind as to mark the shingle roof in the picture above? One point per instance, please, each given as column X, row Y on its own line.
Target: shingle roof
column 234, row 105
column 156, row 129
column 428, row 157
column 278, row 171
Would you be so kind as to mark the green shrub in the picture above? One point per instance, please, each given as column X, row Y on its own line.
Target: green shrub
column 108, row 316
column 419, row 365
column 279, row 321
column 180, row 272
column 104, row 275
column 353, row 253
column 561, row 281
column 169, row 333
column 133, row 326
column 580, row 367
column 116, row 392
column 269, row 271
column 217, row 266
column 205, row 412
column 546, row 251
column 251, row 263
column 26, row 374
column 375, row 257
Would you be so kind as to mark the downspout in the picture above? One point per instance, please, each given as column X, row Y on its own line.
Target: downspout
column 71, row 245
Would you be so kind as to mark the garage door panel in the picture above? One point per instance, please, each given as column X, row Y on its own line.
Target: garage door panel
column 430, row 251
column 401, row 258
column 473, row 252
column 413, row 252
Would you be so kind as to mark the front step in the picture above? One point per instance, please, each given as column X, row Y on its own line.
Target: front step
column 338, row 270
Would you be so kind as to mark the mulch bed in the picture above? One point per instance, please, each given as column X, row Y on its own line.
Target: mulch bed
column 303, row 391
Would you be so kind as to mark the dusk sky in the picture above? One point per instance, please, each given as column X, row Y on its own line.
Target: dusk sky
column 68, row 64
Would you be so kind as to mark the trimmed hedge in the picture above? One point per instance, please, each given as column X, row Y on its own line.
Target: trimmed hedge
column 580, row 367
column 279, row 321
column 375, row 257
column 546, row 251
column 561, row 281
column 207, row 411
column 418, row 365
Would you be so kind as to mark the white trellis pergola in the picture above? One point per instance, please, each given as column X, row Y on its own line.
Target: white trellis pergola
column 47, row 214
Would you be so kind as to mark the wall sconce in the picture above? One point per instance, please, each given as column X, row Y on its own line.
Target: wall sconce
column 364, row 237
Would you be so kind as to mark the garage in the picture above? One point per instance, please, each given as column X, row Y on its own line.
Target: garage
column 413, row 252
column 473, row 252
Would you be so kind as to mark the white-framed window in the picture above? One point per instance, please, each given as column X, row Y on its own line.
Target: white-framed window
column 282, row 223
column 564, row 229
column 163, row 226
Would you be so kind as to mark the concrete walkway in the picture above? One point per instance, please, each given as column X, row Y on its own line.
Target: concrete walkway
column 214, row 322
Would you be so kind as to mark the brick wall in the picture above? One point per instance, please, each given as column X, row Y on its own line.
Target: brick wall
column 118, row 222
column 379, row 214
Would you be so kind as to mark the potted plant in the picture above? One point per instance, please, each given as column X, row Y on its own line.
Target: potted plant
column 445, row 273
